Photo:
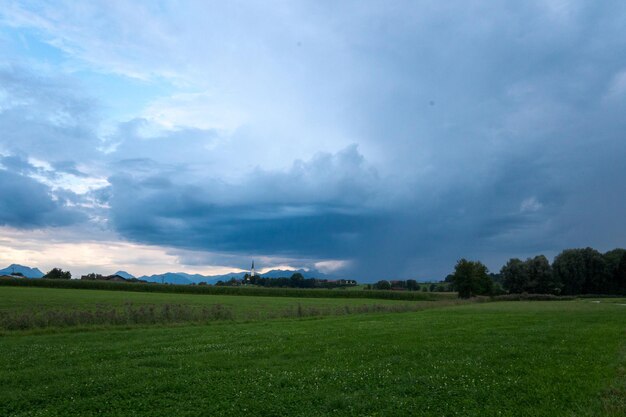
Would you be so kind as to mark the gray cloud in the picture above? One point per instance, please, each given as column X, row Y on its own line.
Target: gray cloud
column 480, row 130
column 17, row 164
column 46, row 117
column 26, row 203
column 141, row 139
column 313, row 209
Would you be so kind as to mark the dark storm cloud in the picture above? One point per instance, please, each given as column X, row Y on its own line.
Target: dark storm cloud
column 47, row 127
column 484, row 130
column 493, row 129
column 315, row 209
column 26, row 203
column 510, row 210
column 336, row 206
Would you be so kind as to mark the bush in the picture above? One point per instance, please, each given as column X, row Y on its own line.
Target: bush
column 532, row 297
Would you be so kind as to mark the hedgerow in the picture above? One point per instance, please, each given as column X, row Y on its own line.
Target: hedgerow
column 209, row 289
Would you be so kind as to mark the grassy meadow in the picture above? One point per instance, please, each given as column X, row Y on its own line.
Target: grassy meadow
column 23, row 308
column 21, row 298
column 253, row 291
column 519, row 358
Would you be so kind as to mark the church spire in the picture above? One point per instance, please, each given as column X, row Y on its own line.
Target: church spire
column 252, row 269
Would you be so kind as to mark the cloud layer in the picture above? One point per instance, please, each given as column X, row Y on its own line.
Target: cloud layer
column 389, row 140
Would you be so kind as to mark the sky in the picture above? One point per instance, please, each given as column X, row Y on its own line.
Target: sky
column 368, row 139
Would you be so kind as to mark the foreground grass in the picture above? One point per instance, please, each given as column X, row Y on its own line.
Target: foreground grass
column 494, row 359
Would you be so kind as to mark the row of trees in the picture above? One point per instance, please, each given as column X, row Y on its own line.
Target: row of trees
column 573, row 272
column 410, row 285
column 296, row 280
column 58, row 273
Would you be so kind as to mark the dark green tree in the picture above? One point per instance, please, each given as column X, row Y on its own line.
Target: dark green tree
column 497, row 289
column 383, row 285
column 540, row 276
column 412, row 285
column 296, row 280
column 580, row 271
column 619, row 276
column 616, row 269
column 58, row 273
column 471, row 278
column 515, row 276
column 496, row 278
column 569, row 269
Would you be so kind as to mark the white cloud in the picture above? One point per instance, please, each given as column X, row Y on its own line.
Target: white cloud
column 331, row 266
column 460, row 107
column 617, row 86
column 198, row 110
column 78, row 185
column 530, row 205
column 101, row 252
column 120, row 36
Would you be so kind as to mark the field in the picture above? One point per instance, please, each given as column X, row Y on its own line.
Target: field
column 564, row 358
column 24, row 308
column 354, row 292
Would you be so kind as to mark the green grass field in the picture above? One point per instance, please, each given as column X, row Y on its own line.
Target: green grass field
column 252, row 290
column 22, row 305
column 17, row 298
column 564, row 358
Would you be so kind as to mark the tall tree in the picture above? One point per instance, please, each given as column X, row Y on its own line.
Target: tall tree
column 616, row 270
column 540, row 276
column 515, row 276
column 580, row 271
column 620, row 276
column 471, row 278
column 383, row 285
column 412, row 285
column 58, row 273
column 296, row 280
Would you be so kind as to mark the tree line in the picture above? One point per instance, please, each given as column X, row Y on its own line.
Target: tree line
column 58, row 273
column 296, row 280
column 573, row 272
column 410, row 285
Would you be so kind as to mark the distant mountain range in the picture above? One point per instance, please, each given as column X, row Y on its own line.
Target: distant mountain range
column 24, row 270
column 124, row 274
column 184, row 278
column 281, row 273
column 173, row 278
column 178, row 277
